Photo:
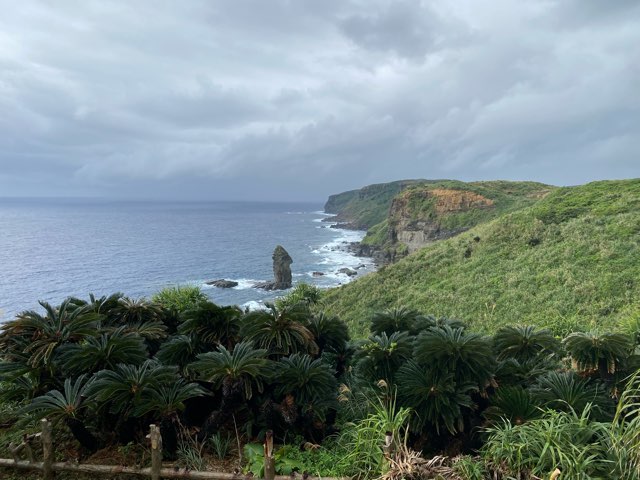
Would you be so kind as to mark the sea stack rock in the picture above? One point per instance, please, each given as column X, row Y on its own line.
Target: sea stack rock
column 281, row 268
column 281, row 271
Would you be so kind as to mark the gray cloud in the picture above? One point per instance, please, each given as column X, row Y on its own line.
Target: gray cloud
column 296, row 100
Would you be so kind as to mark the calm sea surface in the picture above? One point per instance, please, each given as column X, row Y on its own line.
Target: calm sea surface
column 51, row 249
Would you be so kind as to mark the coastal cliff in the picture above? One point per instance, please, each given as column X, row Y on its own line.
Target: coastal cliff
column 404, row 216
column 571, row 259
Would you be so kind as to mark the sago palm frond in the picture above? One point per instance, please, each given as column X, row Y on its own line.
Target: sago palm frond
column 243, row 368
column 592, row 352
column 524, row 342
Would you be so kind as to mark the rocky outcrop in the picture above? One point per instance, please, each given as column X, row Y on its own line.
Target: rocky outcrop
column 418, row 216
column 348, row 272
column 281, row 271
column 222, row 283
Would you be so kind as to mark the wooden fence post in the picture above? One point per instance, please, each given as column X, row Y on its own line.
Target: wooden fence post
column 47, row 450
column 269, row 460
column 156, row 451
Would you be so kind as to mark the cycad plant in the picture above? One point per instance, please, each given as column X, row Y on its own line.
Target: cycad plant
column 329, row 332
column 524, row 343
column 125, row 390
column 399, row 319
column 567, row 392
column 238, row 374
column 66, row 405
column 67, row 323
column 164, row 404
column 438, row 399
column 104, row 351
column 180, row 350
column 381, row 355
column 468, row 356
column 280, row 331
column 592, row 353
column 211, row 324
column 307, row 387
column 513, row 403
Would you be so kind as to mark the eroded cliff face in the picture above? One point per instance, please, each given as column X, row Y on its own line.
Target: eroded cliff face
column 418, row 217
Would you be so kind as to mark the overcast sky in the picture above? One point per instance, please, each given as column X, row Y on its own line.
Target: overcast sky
column 294, row 100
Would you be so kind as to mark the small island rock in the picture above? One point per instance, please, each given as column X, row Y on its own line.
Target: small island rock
column 222, row 283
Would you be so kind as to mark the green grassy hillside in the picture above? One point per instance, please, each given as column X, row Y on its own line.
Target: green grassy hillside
column 571, row 261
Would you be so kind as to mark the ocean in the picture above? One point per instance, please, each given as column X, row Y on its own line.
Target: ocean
column 52, row 249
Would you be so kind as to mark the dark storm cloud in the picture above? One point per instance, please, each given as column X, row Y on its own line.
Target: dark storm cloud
column 298, row 99
column 406, row 28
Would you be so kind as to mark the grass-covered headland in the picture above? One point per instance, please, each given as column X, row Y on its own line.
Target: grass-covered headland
column 567, row 261
column 420, row 397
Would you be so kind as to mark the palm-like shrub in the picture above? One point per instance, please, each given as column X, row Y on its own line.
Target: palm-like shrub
column 179, row 350
column 425, row 322
column 526, row 372
column 211, row 324
column 103, row 352
column 437, row 398
column 524, row 343
column 104, row 305
column 329, row 332
column 598, row 353
column 468, row 356
column 399, row 319
column 513, row 403
column 45, row 333
column 141, row 317
column 22, row 381
column 66, row 405
column 132, row 311
column 56, row 405
column 126, row 388
column 167, row 400
column 307, row 384
column 280, row 332
column 238, row 372
column 380, row 356
column 566, row 391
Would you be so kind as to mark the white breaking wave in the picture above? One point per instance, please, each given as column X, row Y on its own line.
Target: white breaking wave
column 245, row 283
column 335, row 255
column 253, row 305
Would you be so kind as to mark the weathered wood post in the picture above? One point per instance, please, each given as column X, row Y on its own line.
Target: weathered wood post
column 26, row 440
column 156, row 451
column 269, row 460
column 47, row 450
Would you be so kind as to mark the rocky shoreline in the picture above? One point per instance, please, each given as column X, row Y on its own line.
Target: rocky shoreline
column 359, row 249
